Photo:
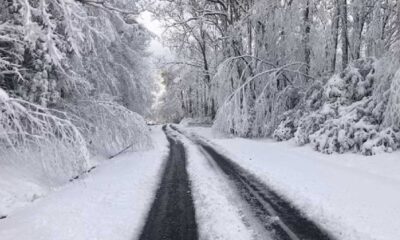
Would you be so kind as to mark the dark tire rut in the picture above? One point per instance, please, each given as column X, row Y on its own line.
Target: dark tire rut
column 172, row 215
column 275, row 213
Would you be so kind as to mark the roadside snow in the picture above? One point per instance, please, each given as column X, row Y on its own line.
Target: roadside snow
column 111, row 203
column 21, row 183
column 219, row 211
column 3, row 95
column 354, row 196
column 18, row 188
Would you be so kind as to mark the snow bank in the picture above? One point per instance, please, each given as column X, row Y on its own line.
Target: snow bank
column 354, row 196
column 18, row 189
column 111, row 203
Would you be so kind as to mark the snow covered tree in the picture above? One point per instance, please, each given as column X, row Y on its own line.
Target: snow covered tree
column 74, row 76
column 266, row 67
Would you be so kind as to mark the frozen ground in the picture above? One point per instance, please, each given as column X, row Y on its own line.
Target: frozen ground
column 354, row 196
column 111, row 203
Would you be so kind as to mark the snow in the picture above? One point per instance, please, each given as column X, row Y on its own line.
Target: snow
column 219, row 210
column 110, row 203
column 18, row 188
column 354, row 196
column 203, row 121
column 3, row 95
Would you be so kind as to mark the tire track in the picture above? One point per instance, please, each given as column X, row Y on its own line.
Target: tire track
column 277, row 215
column 172, row 215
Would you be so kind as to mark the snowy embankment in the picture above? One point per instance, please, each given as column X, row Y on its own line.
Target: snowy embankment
column 354, row 196
column 110, row 203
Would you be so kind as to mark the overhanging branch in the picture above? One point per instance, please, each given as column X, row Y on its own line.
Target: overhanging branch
column 103, row 4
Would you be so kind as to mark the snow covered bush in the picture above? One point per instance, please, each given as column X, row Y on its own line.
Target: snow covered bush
column 291, row 121
column 348, row 112
column 286, row 129
column 356, row 120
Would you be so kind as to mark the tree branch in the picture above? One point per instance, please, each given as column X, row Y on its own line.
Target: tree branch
column 103, row 4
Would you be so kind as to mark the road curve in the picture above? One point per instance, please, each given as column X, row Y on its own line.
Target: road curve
column 172, row 215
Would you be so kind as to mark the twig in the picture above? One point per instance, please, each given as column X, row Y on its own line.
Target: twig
column 120, row 152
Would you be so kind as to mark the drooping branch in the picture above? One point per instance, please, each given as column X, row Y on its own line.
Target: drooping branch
column 105, row 5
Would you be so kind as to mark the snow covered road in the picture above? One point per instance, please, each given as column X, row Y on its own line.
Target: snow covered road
column 355, row 197
column 236, row 189
column 276, row 215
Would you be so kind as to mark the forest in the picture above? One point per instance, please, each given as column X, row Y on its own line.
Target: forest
column 76, row 77
column 323, row 72
column 199, row 119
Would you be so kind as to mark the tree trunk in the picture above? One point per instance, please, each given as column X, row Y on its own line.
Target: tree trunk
column 345, row 39
column 306, row 37
column 335, row 34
